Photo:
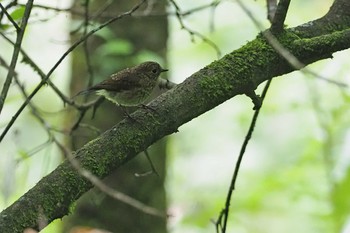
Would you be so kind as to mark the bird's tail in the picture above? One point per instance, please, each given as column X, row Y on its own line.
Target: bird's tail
column 83, row 92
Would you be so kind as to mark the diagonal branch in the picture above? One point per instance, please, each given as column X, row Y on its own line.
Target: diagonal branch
column 280, row 16
column 10, row 18
column 17, row 48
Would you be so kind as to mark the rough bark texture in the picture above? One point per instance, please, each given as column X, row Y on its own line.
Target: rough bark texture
column 236, row 73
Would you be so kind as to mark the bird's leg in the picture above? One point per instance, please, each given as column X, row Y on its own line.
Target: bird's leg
column 153, row 169
column 126, row 113
column 144, row 106
column 99, row 101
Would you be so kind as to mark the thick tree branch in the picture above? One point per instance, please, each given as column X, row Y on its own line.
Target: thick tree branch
column 236, row 73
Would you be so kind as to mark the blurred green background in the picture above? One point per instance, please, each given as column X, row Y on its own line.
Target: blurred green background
column 295, row 175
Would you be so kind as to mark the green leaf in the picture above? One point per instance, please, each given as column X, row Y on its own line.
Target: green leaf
column 18, row 13
column 4, row 27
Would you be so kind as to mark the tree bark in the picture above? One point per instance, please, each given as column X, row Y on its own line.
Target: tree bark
column 239, row 72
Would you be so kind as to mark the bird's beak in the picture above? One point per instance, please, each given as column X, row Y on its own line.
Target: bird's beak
column 164, row 70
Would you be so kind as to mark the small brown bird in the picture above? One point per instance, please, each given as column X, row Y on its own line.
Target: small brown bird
column 131, row 86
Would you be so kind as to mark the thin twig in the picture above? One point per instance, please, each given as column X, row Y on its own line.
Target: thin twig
column 66, row 100
column 271, row 6
column 36, row 114
column 85, row 44
column 192, row 32
column 221, row 224
column 10, row 18
column 68, row 9
column 280, row 16
column 28, row 60
column 8, row 6
column 15, row 54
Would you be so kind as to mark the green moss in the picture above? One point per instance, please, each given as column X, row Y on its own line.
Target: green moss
column 240, row 71
column 320, row 44
column 234, row 70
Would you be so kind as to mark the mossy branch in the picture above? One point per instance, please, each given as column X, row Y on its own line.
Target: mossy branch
column 236, row 73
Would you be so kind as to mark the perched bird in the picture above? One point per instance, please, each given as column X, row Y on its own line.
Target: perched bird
column 131, row 86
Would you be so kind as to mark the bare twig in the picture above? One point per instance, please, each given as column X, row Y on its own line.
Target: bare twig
column 66, row 100
column 68, row 9
column 102, row 14
column 280, row 16
column 15, row 53
column 271, row 6
column 35, row 113
column 8, row 6
column 85, row 44
column 221, row 224
column 28, row 60
column 192, row 32
column 94, row 16
column 10, row 18
column 213, row 5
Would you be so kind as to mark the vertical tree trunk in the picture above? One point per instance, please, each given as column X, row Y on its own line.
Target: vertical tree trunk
column 133, row 38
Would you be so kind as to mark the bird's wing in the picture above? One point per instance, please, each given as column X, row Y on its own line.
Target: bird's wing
column 123, row 80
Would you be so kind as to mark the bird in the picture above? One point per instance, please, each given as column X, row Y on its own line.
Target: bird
column 131, row 86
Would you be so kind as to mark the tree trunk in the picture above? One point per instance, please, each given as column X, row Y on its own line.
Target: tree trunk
column 96, row 209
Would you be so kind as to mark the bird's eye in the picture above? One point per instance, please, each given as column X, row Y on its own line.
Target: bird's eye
column 154, row 71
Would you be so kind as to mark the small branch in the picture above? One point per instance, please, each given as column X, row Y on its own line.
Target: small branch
column 213, row 4
column 68, row 9
column 280, row 16
column 66, row 100
column 221, row 223
column 10, row 18
column 192, row 32
column 85, row 44
column 271, row 6
column 8, row 6
column 28, row 60
column 15, row 54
